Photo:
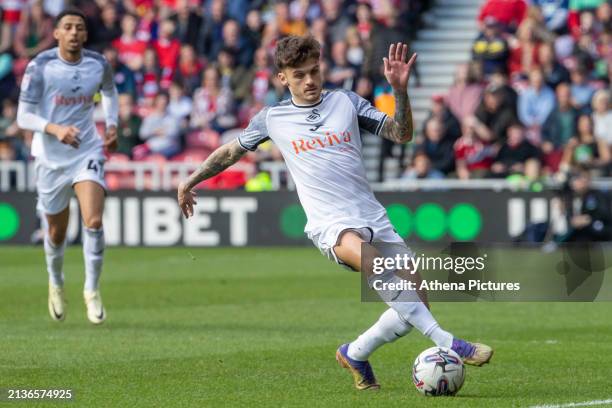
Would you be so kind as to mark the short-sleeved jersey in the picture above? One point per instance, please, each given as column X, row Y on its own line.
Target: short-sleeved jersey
column 321, row 145
column 64, row 95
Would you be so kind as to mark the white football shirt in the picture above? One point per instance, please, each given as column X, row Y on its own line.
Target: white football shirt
column 64, row 95
column 321, row 145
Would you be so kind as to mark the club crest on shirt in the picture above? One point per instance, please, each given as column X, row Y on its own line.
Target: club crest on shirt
column 76, row 76
column 314, row 116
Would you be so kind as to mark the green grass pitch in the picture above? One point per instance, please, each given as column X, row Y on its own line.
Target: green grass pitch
column 259, row 327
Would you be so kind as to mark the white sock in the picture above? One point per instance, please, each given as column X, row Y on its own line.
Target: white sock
column 54, row 255
column 417, row 314
column 440, row 337
column 409, row 307
column 387, row 329
column 93, row 252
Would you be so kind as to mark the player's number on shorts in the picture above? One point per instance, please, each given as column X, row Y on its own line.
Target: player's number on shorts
column 97, row 166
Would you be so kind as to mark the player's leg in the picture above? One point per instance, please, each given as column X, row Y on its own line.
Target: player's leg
column 409, row 308
column 91, row 197
column 54, row 194
column 54, row 245
column 389, row 327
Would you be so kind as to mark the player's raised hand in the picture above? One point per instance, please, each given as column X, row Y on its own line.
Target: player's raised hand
column 66, row 134
column 186, row 200
column 110, row 139
column 397, row 70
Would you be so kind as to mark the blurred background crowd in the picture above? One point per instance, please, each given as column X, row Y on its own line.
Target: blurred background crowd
column 533, row 103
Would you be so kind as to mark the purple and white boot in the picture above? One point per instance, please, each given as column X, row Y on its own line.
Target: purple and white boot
column 475, row 354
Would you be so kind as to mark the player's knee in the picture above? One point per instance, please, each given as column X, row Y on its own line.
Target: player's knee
column 93, row 222
column 56, row 235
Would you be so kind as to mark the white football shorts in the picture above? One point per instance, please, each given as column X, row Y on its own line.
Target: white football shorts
column 54, row 186
column 380, row 230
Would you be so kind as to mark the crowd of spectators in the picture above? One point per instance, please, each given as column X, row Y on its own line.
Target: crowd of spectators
column 191, row 73
column 534, row 101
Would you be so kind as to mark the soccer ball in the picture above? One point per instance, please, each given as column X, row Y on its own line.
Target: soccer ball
column 438, row 371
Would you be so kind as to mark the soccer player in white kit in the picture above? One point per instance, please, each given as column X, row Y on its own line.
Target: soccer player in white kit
column 318, row 134
column 57, row 104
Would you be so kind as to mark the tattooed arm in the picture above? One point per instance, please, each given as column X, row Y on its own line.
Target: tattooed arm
column 399, row 128
column 218, row 161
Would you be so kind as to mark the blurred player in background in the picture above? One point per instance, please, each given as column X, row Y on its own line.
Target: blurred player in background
column 57, row 104
column 318, row 134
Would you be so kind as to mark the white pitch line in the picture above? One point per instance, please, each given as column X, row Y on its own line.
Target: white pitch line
column 576, row 404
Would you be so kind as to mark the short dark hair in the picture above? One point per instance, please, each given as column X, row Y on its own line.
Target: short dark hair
column 70, row 12
column 293, row 51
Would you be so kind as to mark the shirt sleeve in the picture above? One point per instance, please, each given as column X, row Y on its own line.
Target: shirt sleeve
column 32, row 84
column 370, row 119
column 256, row 132
column 28, row 119
column 110, row 98
column 108, row 83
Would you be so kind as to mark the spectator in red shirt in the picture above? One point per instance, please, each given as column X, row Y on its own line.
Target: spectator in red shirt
column 365, row 21
column 473, row 157
column 524, row 51
column 189, row 68
column 147, row 80
column 168, row 49
column 146, row 23
column 510, row 13
column 259, row 78
column 166, row 46
column 11, row 15
column 130, row 48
